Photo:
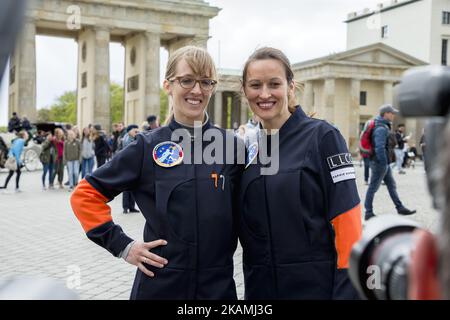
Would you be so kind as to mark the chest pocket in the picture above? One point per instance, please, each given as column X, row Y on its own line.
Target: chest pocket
column 175, row 205
column 216, row 221
column 175, row 221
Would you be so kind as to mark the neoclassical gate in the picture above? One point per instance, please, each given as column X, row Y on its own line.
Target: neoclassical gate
column 141, row 26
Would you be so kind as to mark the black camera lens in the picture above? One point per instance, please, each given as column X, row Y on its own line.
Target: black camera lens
column 424, row 92
column 379, row 262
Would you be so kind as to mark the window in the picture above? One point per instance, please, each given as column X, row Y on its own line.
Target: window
column 384, row 31
column 446, row 17
column 363, row 98
column 84, row 80
column 133, row 83
column 444, row 51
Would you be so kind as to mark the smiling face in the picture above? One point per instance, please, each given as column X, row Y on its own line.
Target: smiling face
column 267, row 91
column 188, row 104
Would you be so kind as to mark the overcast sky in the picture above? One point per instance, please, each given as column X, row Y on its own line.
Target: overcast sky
column 303, row 29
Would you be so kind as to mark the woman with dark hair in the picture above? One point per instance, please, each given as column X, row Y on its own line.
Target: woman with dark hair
column 58, row 144
column 297, row 224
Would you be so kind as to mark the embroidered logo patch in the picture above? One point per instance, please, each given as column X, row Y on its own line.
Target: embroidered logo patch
column 340, row 160
column 343, row 174
column 167, row 154
column 341, row 167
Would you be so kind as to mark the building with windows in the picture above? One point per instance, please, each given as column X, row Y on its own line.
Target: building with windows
column 420, row 28
column 347, row 88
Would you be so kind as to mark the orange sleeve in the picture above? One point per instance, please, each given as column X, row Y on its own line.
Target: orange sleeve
column 90, row 206
column 347, row 228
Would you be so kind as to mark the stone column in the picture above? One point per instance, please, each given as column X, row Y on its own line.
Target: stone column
column 308, row 97
column 388, row 89
column 152, row 86
column 22, row 89
column 102, row 107
column 244, row 110
column 354, row 115
column 329, row 99
column 142, row 81
column 86, row 80
column 218, row 108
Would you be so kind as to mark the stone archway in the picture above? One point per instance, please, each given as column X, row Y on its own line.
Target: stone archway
column 142, row 26
column 228, row 108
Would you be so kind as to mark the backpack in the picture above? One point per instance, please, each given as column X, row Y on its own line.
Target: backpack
column 365, row 139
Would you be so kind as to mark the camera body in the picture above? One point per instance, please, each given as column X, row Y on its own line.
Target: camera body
column 380, row 262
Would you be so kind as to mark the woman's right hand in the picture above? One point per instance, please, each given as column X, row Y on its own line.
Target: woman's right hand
column 140, row 253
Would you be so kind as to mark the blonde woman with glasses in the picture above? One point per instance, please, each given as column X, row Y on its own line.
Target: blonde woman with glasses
column 189, row 208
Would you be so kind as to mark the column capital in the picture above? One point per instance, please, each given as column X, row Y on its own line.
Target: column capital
column 152, row 33
column 101, row 28
column 153, row 36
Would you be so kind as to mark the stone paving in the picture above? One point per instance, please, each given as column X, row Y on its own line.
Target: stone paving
column 40, row 236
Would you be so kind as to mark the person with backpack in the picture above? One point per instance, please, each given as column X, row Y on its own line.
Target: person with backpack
column 379, row 163
column 365, row 147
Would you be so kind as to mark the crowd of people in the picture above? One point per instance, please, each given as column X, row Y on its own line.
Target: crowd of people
column 67, row 149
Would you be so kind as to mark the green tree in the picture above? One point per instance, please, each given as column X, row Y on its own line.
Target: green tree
column 164, row 105
column 117, row 108
column 64, row 109
column 44, row 115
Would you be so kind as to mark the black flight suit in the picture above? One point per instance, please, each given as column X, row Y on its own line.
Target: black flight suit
column 285, row 230
column 183, row 205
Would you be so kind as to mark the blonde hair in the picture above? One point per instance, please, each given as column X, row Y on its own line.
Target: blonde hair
column 59, row 134
column 71, row 135
column 268, row 53
column 22, row 134
column 198, row 59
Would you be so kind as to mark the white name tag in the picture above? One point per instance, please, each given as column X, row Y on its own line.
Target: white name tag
column 343, row 174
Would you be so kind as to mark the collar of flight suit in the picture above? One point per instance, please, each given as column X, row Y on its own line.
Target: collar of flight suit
column 292, row 121
column 173, row 125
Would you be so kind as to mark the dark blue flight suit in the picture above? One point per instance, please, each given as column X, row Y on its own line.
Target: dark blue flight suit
column 285, row 230
column 183, row 205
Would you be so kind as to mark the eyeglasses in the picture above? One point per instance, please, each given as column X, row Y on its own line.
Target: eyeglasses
column 189, row 83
